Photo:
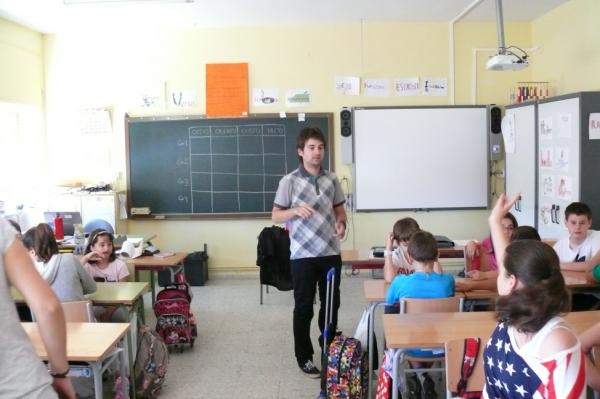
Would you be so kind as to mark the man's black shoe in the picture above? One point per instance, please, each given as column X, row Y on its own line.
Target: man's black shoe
column 310, row 369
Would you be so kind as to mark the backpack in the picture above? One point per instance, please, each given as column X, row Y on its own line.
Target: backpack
column 347, row 374
column 468, row 364
column 273, row 257
column 151, row 363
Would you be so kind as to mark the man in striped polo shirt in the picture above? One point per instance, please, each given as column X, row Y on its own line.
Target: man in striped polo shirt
column 310, row 200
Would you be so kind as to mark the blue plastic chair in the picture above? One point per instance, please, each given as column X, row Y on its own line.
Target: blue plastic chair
column 97, row 224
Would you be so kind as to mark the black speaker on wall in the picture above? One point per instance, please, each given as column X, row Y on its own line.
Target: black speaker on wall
column 495, row 132
column 346, row 132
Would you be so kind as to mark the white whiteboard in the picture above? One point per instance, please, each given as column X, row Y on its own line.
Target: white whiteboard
column 420, row 158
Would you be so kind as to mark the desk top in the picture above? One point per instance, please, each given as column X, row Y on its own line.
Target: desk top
column 350, row 256
column 87, row 342
column 433, row 330
column 374, row 290
column 150, row 262
column 106, row 293
column 118, row 293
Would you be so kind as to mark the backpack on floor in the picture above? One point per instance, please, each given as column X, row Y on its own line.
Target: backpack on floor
column 347, row 372
column 151, row 363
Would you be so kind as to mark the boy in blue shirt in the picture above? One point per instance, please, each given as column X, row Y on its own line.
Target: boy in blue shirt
column 423, row 283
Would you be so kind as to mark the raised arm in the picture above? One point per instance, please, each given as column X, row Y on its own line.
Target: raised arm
column 499, row 239
column 47, row 309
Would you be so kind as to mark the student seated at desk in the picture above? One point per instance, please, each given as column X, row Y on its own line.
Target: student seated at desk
column 481, row 254
column 22, row 373
column 100, row 261
column 423, row 283
column 396, row 260
column 478, row 280
column 63, row 272
column 532, row 353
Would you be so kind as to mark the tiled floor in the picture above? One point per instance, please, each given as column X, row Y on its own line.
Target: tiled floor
column 245, row 350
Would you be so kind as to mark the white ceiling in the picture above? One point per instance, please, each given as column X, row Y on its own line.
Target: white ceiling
column 51, row 16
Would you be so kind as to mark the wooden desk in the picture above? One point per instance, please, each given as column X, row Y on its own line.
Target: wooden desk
column 92, row 343
column 153, row 264
column 433, row 330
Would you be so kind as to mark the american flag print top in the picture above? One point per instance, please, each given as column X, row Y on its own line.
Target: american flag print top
column 513, row 372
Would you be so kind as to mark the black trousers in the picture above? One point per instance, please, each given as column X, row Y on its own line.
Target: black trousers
column 307, row 275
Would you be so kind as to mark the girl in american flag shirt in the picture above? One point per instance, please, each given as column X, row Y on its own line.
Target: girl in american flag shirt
column 532, row 353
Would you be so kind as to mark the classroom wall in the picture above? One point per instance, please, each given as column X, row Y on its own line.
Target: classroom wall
column 112, row 69
column 569, row 40
column 21, row 64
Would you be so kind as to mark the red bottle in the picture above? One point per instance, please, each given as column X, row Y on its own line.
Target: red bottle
column 59, row 232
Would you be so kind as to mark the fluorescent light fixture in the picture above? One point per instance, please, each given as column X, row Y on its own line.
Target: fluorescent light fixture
column 70, row 2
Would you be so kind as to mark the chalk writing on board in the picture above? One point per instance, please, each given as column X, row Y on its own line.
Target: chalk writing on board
column 228, row 163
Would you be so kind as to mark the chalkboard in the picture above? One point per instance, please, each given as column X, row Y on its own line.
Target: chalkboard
column 191, row 166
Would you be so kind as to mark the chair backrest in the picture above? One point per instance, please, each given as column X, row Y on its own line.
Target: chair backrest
column 78, row 311
column 454, row 358
column 431, row 305
column 98, row 224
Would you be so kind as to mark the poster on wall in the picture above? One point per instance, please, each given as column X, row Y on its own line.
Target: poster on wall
column 562, row 158
column 564, row 125
column 546, row 128
column 435, row 86
column 265, row 96
column 404, row 87
column 297, row 98
column 347, row 85
column 565, row 188
column 546, row 214
column 509, row 133
column 376, row 87
column 546, row 158
column 182, row 99
column 548, row 186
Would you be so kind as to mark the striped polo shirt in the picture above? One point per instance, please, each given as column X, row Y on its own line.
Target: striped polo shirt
column 314, row 236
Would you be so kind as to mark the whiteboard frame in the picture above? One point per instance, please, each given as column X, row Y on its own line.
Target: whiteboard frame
column 380, row 176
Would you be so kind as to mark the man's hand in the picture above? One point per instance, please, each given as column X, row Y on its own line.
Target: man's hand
column 340, row 229
column 303, row 212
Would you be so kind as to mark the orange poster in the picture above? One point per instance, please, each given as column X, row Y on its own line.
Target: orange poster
column 227, row 89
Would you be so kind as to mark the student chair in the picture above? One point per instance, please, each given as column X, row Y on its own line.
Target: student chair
column 98, row 224
column 76, row 312
column 418, row 305
column 454, row 359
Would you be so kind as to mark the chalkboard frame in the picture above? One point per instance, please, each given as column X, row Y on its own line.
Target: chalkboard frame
column 234, row 215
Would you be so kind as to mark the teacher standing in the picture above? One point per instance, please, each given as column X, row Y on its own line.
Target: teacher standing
column 310, row 200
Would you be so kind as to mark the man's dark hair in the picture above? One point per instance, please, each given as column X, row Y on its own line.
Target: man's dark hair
column 309, row 133
column 578, row 208
column 422, row 247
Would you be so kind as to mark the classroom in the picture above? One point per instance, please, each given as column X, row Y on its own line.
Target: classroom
column 56, row 73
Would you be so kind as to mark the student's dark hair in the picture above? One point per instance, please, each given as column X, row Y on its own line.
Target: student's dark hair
column 309, row 133
column 514, row 222
column 578, row 208
column 543, row 294
column 15, row 225
column 41, row 239
column 404, row 228
column 525, row 233
column 422, row 247
column 93, row 239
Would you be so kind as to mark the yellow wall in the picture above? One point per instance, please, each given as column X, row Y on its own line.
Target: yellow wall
column 21, row 64
column 569, row 37
column 112, row 69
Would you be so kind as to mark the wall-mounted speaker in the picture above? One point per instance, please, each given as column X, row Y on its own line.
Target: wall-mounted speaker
column 346, row 132
column 495, row 132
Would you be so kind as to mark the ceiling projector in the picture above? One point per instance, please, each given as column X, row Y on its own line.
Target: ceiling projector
column 507, row 62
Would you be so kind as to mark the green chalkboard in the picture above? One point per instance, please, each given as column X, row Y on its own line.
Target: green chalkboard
column 191, row 166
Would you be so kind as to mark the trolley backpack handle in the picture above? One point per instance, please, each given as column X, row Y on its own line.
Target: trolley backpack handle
column 328, row 308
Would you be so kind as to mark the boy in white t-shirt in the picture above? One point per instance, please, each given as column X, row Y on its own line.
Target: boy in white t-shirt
column 580, row 251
